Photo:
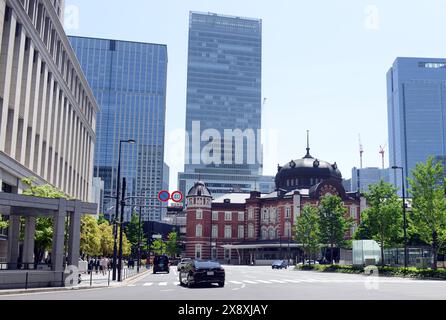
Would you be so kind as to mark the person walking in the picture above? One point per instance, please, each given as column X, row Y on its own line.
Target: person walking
column 104, row 265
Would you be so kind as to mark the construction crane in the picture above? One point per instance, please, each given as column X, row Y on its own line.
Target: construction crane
column 361, row 151
column 382, row 151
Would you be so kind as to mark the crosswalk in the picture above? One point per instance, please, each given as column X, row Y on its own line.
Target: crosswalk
column 231, row 282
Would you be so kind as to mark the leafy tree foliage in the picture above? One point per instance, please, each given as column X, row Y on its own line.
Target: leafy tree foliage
column 172, row 245
column 307, row 230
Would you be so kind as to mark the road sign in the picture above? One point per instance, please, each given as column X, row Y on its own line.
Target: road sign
column 157, row 236
column 177, row 196
column 164, row 196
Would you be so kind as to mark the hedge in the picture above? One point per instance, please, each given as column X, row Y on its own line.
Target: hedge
column 439, row 274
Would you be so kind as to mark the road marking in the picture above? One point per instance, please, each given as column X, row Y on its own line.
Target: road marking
column 250, row 282
column 236, row 282
column 263, row 281
column 163, row 284
column 276, row 281
column 176, row 283
column 131, row 285
column 291, row 281
column 148, row 284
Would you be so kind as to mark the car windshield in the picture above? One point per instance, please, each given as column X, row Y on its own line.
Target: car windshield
column 207, row 265
column 278, row 262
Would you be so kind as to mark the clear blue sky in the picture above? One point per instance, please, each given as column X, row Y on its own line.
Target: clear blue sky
column 324, row 64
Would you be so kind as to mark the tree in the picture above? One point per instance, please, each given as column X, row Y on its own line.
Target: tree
column 106, row 238
column 428, row 218
column 158, row 247
column 307, row 230
column 383, row 218
column 172, row 246
column 134, row 231
column 90, row 236
column 332, row 222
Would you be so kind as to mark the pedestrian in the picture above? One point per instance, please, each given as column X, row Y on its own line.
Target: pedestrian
column 90, row 265
column 104, row 265
column 97, row 265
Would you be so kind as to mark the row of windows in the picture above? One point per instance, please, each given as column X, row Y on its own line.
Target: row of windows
column 227, row 231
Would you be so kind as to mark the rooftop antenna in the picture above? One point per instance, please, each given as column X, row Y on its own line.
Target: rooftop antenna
column 308, row 156
column 382, row 151
column 361, row 151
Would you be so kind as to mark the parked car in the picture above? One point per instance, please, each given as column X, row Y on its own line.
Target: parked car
column 161, row 264
column 279, row 264
column 198, row 272
column 183, row 262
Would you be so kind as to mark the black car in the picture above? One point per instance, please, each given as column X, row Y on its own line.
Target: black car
column 279, row 264
column 198, row 272
column 161, row 264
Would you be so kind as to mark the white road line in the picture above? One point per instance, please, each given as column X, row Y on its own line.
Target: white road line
column 276, row 281
column 163, row 284
column 291, row 281
column 263, row 281
column 176, row 283
column 236, row 282
column 148, row 284
column 250, row 282
column 131, row 285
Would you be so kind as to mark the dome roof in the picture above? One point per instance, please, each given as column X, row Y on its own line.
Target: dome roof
column 305, row 173
column 199, row 189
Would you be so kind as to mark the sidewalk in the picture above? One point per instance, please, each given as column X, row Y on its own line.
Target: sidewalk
column 99, row 281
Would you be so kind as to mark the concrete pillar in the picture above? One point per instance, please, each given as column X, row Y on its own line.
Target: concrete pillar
column 74, row 236
column 28, row 245
column 13, row 241
column 2, row 17
column 58, row 254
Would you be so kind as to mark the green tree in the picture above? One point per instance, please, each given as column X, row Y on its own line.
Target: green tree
column 134, row 231
column 172, row 245
column 332, row 222
column 428, row 219
column 158, row 247
column 90, row 236
column 383, row 217
column 307, row 230
column 106, row 238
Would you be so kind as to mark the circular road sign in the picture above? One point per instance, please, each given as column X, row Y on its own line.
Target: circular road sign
column 177, row 196
column 164, row 196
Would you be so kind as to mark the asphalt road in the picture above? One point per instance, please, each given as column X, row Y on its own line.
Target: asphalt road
column 260, row 283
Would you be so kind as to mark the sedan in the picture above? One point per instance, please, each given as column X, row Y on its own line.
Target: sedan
column 202, row 272
column 279, row 264
column 183, row 263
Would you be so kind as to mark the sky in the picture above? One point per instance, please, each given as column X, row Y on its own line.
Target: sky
column 324, row 66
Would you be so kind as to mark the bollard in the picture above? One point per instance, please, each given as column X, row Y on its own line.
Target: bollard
column 91, row 278
column 26, row 281
column 109, row 278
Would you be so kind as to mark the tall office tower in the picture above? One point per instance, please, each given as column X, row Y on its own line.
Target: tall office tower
column 223, row 93
column 129, row 82
column 417, row 113
column 47, row 109
column 363, row 178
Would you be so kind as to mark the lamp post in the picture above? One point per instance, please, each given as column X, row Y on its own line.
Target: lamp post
column 118, row 186
column 404, row 213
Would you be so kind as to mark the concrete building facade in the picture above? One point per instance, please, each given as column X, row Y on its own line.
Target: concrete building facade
column 47, row 109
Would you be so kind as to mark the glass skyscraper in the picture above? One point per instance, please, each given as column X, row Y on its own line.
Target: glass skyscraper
column 129, row 82
column 417, row 113
column 223, row 93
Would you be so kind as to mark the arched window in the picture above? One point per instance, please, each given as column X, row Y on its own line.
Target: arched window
column 250, row 231
column 264, row 233
column 199, row 231
column 273, row 215
column 272, row 234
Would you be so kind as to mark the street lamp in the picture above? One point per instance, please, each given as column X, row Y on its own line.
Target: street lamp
column 404, row 213
column 118, row 185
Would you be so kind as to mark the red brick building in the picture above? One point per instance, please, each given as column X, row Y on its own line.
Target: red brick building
column 257, row 228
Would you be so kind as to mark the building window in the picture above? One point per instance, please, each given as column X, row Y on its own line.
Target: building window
column 228, row 232
column 273, row 215
column 251, row 214
column 272, row 234
column 228, row 216
column 214, row 216
column 353, row 212
column 288, row 230
column 214, row 231
column 265, row 215
column 288, row 213
column 241, row 232
column 241, row 216
column 199, row 231
column 250, row 231
column 264, row 234
column 198, row 248
column 199, row 215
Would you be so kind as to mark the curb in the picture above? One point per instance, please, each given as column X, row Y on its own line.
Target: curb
column 47, row 290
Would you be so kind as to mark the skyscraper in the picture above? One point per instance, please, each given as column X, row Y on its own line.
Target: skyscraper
column 363, row 178
column 416, row 113
column 129, row 82
column 223, row 93
column 47, row 109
